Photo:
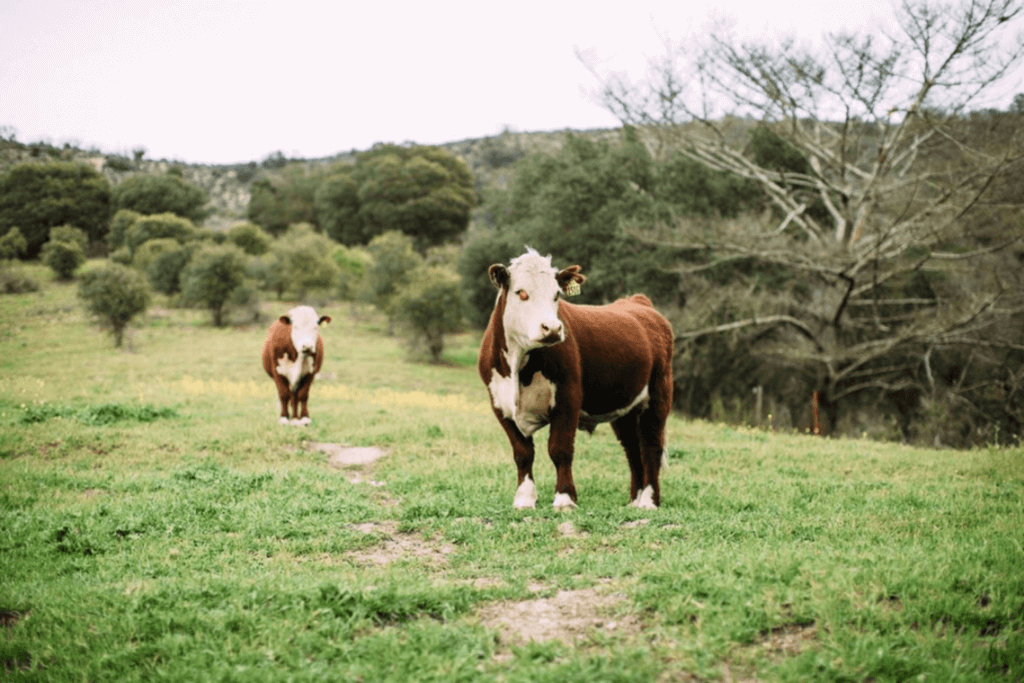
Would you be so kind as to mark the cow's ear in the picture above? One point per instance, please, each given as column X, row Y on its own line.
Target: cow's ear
column 323, row 319
column 285, row 319
column 499, row 275
column 569, row 280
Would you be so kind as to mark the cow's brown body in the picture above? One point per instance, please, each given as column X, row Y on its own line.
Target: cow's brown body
column 279, row 358
column 614, row 365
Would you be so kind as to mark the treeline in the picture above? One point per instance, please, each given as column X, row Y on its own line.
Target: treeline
column 394, row 228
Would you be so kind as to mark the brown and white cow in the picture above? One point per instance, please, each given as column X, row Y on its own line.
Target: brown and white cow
column 549, row 362
column 292, row 355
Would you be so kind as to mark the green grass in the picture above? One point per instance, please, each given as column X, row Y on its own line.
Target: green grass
column 156, row 523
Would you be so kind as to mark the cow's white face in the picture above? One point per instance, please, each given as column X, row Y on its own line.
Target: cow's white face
column 532, row 288
column 305, row 328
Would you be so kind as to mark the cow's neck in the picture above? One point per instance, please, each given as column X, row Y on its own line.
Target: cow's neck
column 507, row 359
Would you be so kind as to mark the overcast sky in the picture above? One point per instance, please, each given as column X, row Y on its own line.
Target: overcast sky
column 226, row 82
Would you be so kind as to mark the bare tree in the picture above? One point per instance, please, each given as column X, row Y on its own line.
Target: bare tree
column 901, row 224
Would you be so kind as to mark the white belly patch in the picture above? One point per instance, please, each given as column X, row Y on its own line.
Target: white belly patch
column 588, row 421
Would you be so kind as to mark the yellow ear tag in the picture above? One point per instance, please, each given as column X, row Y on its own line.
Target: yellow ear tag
column 572, row 289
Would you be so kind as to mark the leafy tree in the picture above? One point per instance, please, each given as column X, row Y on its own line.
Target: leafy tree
column 163, row 259
column 425, row 192
column 12, row 245
column 284, row 198
column 65, row 250
column 250, row 238
column 212, row 276
column 165, row 269
column 152, row 194
column 393, row 260
column 431, row 304
column 577, row 205
column 301, row 259
column 38, row 197
column 352, row 263
column 162, row 225
column 337, row 208
column 119, row 226
column 115, row 294
column 910, row 266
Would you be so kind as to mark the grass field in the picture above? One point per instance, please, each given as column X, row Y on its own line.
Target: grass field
column 157, row 523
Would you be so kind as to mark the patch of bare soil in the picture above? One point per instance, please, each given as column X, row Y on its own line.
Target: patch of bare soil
column 397, row 545
column 568, row 616
column 354, row 460
column 790, row 639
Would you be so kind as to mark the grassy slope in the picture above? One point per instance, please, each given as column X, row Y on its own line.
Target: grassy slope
column 212, row 546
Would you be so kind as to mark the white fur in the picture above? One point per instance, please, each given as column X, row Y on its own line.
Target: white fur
column 526, row 495
column 283, row 420
column 563, row 502
column 305, row 328
column 643, row 398
column 645, row 501
column 528, row 323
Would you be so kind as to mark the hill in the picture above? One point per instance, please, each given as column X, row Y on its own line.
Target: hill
column 227, row 185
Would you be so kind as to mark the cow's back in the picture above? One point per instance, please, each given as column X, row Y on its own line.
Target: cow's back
column 618, row 348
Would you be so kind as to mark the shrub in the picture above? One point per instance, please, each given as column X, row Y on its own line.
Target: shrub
column 37, row 197
column 146, row 228
column 115, row 294
column 150, row 194
column 12, row 245
column 165, row 269
column 431, row 304
column 14, row 280
column 394, row 259
column 119, row 226
column 65, row 251
column 250, row 237
column 352, row 262
column 212, row 276
column 302, row 260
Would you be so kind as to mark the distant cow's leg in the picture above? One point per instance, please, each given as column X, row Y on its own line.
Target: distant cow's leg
column 560, row 448
column 302, row 396
column 285, row 395
column 626, row 428
column 523, row 453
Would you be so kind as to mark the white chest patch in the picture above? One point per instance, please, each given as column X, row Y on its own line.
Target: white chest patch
column 527, row 406
column 295, row 370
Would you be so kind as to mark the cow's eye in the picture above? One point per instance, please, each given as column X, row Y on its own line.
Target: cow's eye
column 523, row 296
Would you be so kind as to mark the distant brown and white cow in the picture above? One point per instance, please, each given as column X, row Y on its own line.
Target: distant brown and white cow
column 549, row 362
column 292, row 355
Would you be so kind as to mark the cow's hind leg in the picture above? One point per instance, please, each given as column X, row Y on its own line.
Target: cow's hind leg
column 651, row 432
column 626, row 430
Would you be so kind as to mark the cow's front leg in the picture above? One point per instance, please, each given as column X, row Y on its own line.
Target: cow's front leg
column 284, row 394
column 560, row 448
column 523, row 453
column 302, row 418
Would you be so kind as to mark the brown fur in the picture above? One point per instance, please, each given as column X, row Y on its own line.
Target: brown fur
column 278, row 344
column 609, row 354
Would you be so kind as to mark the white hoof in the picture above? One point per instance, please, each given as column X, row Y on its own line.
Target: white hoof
column 283, row 420
column 563, row 502
column 645, row 501
column 303, row 422
column 526, row 495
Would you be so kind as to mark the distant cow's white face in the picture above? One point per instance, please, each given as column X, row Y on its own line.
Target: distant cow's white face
column 533, row 288
column 305, row 325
